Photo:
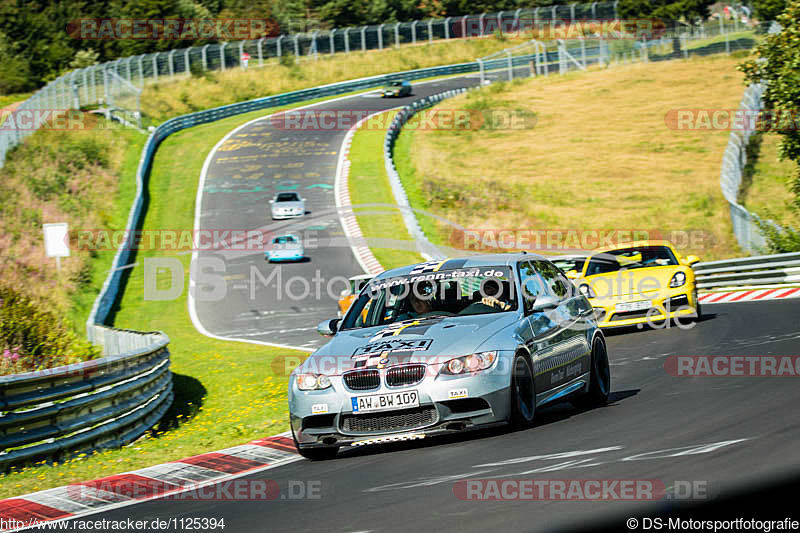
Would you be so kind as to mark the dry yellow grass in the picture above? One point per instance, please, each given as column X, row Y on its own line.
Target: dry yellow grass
column 599, row 157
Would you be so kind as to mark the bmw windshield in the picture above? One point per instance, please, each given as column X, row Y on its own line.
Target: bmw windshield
column 446, row 293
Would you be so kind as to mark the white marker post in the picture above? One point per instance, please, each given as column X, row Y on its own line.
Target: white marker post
column 56, row 241
column 245, row 59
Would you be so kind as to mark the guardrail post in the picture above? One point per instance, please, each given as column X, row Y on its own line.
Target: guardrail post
column 464, row 27
column 241, row 51
column 500, row 22
column 204, row 56
column 572, row 14
column 616, row 14
column 414, row 32
column 480, row 66
column 347, row 40
column 516, row 21
column 594, row 10
column 297, row 45
column 536, row 17
column 363, row 39
column 685, row 39
column 553, row 12
column 481, row 21
column 186, row 64
column 380, row 36
column 155, row 65
column 430, row 30
column 259, row 47
column 278, row 44
column 510, row 65
column 222, row 55
column 171, row 62
column 447, row 28
column 332, row 41
column 128, row 70
column 397, row 35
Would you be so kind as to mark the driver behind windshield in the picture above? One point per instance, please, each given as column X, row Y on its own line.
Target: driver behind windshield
column 418, row 302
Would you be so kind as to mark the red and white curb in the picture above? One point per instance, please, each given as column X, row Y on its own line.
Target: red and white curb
column 173, row 478
column 752, row 295
column 352, row 230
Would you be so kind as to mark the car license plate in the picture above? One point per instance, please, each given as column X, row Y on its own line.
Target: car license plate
column 633, row 306
column 385, row 402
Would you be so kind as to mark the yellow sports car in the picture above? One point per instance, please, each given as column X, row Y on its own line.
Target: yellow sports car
column 640, row 282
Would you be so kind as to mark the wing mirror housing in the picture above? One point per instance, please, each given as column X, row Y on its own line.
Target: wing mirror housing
column 544, row 303
column 328, row 328
column 691, row 259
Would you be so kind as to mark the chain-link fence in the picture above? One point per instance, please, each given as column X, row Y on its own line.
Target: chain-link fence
column 540, row 57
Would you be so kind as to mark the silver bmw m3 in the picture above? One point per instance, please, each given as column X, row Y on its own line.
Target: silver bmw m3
column 448, row 346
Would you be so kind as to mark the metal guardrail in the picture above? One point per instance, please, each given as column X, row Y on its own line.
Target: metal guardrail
column 747, row 271
column 105, row 402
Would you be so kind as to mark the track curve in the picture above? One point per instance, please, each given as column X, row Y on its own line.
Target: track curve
column 240, row 176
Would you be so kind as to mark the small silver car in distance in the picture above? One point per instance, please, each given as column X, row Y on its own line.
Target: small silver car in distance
column 448, row 346
column 287, row 205
column 285, row 248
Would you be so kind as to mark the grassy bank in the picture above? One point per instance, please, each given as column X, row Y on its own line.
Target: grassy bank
column 86, row 178
column 767, row 183
column 598, row 156
column 369, row 184
column 211, row 89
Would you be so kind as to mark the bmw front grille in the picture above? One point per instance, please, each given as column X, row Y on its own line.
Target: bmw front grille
column 362, row 379
column 398, row 376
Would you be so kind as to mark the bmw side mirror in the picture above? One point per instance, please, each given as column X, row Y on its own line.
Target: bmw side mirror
column 327, row 328
column 544, row 303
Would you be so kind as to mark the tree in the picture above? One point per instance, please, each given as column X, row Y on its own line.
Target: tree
column 776, row 66
column 768, row 9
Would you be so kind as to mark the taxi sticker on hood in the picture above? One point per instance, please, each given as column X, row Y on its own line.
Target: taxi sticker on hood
column 392, row 345
column 416, row 327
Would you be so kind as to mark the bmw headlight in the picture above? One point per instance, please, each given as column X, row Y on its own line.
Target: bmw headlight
column 677, row 280
column 586, row 290
column 313, row 381
column 468, row 364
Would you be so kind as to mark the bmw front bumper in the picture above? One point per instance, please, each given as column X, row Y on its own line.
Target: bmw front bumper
column 447, row 404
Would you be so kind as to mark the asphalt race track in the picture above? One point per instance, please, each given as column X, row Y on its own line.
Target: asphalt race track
column 246, row 170
column 657, row 427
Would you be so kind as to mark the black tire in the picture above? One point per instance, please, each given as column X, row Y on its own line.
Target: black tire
column 522, row 393
column 599, row 378
column 315, row 454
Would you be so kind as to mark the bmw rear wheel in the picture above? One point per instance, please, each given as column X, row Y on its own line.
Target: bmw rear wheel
column 599, row 379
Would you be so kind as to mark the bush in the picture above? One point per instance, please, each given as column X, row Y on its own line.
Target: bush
column 32, row 338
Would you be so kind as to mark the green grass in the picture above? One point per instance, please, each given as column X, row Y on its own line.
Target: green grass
column 768, row 193
column 226, row 393
column 82, row 299
column 369, row 184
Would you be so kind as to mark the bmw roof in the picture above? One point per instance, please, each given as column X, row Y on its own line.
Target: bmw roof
column 464, row 262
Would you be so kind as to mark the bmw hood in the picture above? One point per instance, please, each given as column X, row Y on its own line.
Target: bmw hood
column 426, row 340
